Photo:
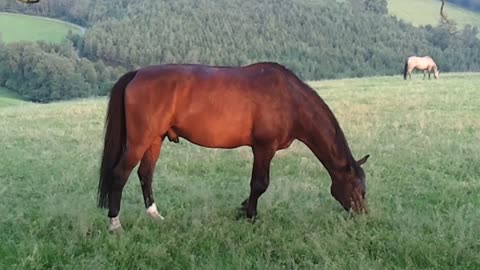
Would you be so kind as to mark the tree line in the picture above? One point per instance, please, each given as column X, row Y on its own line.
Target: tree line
column 316, row 39
column 44, row 72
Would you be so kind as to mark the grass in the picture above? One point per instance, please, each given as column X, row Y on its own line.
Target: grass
column 423, row 12
column 423, row 181
column 19, row 27
column 9, row 98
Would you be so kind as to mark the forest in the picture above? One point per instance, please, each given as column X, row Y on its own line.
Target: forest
column 315, row 39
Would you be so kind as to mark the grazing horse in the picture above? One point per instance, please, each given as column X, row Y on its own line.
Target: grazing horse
column 425, row 63
column 263, row 105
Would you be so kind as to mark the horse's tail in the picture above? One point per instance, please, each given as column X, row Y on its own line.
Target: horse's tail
column 115, row 137
column 405, row 70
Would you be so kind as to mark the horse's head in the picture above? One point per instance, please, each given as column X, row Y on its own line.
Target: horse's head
column 348, row 187
column 436, row 74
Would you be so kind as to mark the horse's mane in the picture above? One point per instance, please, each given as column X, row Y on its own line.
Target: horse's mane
column 311, row 94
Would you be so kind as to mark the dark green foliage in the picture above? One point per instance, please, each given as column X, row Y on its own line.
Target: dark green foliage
column 43, row 72
column 316, row 39
column 83, row 12
column 327, row 41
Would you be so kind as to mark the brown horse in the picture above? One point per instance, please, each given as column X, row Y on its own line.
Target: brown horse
column 264, row 106
column 425, row 63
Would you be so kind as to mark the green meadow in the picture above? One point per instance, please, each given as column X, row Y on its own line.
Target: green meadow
column 423, row 12
column 8, row 98
column 423, row 190
column 19, row 27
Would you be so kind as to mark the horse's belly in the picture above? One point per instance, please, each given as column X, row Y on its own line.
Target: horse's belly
column 215, row 131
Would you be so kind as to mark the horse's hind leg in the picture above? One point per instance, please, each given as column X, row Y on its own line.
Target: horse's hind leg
column 425, row 73
column 128, row 161
column 262, row 156
column 145, row 174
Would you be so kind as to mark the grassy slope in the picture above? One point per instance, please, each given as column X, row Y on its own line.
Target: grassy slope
column 8, row 98
column 423, row 12
column 18, row 27
column 423, row 183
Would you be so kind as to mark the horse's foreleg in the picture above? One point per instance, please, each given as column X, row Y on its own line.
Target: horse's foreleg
column 262, row 156
column 424, row 74
column 145, row 174
column 129, row 160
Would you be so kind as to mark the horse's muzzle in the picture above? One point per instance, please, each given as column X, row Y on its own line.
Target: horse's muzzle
column 357, row 204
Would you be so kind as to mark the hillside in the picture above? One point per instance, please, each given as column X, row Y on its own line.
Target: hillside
column 18, row 27
column 316, row 41
column 423, row 12
column 422, row 189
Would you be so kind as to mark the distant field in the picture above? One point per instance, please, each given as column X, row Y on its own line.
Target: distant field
column 423, row 12
column 18, row 27
column 423, row 190
column 9, row 98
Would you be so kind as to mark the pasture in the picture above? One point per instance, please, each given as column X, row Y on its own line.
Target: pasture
column 423, row 12
column 423, row 190
column 20, row 27
column 9, row 98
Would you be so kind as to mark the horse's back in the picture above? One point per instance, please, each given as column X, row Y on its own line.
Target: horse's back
column 423, row 62
column 216, row 106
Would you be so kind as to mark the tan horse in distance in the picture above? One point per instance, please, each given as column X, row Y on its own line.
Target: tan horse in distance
column 425, row 63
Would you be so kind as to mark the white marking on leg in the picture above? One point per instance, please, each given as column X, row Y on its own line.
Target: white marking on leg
column 115, row 224
column 153, row 212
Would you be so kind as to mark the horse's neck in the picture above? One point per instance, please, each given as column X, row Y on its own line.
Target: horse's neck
column 324, row 137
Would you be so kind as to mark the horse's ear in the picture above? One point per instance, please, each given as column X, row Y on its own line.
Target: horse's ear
column 363, row 160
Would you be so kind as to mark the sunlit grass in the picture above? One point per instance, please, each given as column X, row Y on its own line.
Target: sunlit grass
column 19, row 27
column 423, row 12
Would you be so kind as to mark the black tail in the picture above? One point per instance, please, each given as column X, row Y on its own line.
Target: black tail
column 405, row 70
column 115, row 137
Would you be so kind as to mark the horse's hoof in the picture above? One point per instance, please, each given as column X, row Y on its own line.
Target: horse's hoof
column 252, row 217
column 115, row 226
column 153, row 212
column 242, row 214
